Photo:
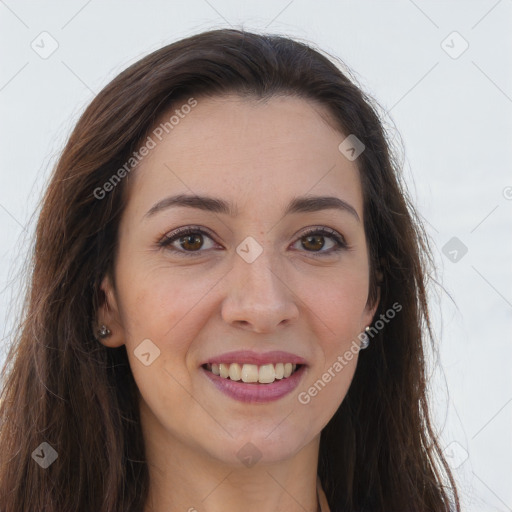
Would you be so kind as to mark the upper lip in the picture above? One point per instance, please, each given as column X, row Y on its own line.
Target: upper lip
column 250, row 357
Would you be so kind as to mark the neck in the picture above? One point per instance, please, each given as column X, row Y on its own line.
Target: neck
column 183, row 478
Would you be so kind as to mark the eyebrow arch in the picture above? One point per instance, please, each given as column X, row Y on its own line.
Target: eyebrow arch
column 299, row 204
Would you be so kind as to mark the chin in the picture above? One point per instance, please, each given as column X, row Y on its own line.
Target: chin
column 260, row 448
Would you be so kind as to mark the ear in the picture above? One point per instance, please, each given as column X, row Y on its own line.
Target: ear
column 370, row 310
column 108, row 315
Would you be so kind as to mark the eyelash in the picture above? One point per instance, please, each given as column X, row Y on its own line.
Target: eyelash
column 168, row 239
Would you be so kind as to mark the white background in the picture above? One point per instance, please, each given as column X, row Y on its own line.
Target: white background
column 453, row 114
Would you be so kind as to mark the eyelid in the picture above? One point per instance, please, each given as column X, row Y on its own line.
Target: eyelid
column 326, row 232
column 324, row 229
column 168, row 238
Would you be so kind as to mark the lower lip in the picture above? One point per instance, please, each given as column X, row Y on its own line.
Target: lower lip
column 256, row 393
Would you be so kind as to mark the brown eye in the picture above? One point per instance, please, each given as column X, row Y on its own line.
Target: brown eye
column 313, row 242
column 187, row 241
column 191, row 242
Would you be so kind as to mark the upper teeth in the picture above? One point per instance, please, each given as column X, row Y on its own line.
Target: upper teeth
column 264, row 374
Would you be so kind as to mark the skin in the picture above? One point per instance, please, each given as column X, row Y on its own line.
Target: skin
column 259, row 155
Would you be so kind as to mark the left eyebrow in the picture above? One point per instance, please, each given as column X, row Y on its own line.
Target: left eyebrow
column 300, row 204
column 304, row 204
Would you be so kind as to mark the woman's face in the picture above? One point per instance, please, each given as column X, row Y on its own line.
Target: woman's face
column 248, row 277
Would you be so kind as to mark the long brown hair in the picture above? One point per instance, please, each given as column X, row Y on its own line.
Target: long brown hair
column 61, row 386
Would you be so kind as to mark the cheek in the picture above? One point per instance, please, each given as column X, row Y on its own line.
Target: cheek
column 160, row 306
column 159, row 301
column 340, row 300
column 339, row 306
column 167, row 307
column 327, row 385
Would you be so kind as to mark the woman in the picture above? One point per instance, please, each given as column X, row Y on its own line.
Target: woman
column 227, row 301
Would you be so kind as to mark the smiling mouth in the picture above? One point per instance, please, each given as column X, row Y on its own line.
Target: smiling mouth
column 252, row 373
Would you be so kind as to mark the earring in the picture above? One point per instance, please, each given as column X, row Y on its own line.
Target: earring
column 104, row 332
column 365, row 341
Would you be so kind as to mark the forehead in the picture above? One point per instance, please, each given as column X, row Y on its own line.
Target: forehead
column 249, row 151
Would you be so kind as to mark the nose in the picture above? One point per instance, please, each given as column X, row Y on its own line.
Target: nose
column 258, row 297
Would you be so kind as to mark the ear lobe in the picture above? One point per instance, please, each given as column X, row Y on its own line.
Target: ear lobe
column 108, row 315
